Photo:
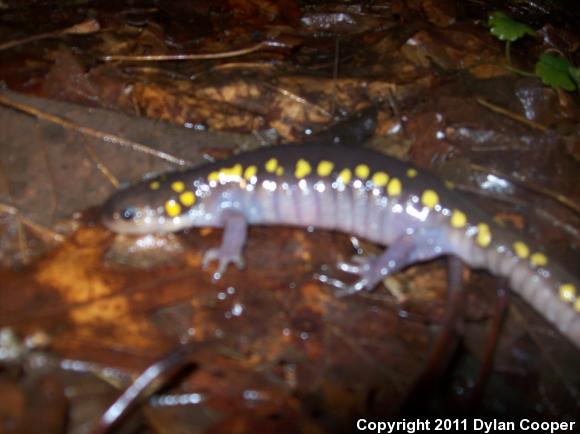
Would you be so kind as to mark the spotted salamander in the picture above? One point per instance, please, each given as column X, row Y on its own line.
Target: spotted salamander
column 352, row 190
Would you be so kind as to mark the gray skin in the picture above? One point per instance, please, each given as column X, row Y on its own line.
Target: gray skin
column 413, row 232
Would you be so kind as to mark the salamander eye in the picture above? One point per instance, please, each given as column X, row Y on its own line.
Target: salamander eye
column 128, row 213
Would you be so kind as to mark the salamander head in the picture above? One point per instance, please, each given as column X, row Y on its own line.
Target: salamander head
column 156, row 206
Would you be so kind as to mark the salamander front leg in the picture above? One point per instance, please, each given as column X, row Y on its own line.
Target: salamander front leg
column 230, row 250
column 421, row 245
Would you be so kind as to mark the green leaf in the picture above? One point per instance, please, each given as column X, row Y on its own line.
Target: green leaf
column 575, row 74
column 506, row 29
column 555, row 71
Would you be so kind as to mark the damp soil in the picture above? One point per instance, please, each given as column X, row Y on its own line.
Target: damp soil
column 97, row 95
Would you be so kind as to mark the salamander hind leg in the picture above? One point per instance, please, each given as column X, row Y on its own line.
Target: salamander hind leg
column 230, row 250
column 415, row 246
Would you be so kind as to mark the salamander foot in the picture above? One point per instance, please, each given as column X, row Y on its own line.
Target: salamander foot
column 342, row 288
column 363, row 266
column 420, row 245
column 224, row 259
column 369, row 270
column 230, row 250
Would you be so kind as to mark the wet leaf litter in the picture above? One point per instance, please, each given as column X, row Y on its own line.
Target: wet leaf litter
column 275, row 349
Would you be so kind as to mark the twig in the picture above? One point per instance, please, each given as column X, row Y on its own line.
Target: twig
column 502, row 65
column 35, row 227
column 511, row 115
column 101, row 166
column 205, row 56
column 21, row 243
column 561, row 199
column 89, row 26
column 152, row 379
column 105, row 137
column 233, row 65
column 297, row 98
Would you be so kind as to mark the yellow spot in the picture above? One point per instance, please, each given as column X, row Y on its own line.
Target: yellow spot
column 172, row 208
column 429, row 198
column 303, row 168
column 280, row 171
column 458, row 219
column 577, row 305
column 521, row 249
column 362, row 171
column 568, row 292
column 380, row 179
column 155, row 185
column 187, row 198
column 325, row 168
column 235, row 171
column 538, row 259
column 178, row 186
column 483, row 235
column 271, row 165
column 226, row 174
column 394, row 188
column 250, row 172
column 449, row 184
column 411, row 173
column 344, row 176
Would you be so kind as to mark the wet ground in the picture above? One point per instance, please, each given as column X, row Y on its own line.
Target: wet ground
column 99, row 94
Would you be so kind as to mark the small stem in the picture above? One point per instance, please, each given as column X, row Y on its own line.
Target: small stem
column 511, row 115
column 508, row 57
column 519, row 71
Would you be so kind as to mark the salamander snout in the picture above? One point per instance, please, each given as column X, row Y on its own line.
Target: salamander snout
column 122, row 213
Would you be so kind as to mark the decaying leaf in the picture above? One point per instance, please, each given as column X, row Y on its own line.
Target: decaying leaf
column 146, row 87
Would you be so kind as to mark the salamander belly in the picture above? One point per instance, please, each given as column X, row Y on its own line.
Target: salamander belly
column 364, row 213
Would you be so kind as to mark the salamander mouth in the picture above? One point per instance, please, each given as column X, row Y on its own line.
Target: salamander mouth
column 108, row 215
column 136, row 221
column 120, row 220
column 113, row 222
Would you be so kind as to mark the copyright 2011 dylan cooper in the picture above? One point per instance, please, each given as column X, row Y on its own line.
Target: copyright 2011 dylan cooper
column 468, row 425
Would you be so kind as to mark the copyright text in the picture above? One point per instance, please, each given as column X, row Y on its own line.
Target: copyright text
column 478, row 425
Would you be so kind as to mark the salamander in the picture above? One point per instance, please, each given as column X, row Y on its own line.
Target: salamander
column 352, row 190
